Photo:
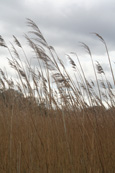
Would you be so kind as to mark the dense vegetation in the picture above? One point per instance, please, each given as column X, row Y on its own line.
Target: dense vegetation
column 51, row 122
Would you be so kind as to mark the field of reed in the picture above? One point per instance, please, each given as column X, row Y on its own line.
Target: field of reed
column 51, row 122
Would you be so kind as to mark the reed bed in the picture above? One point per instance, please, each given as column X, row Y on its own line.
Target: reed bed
column 49, row 121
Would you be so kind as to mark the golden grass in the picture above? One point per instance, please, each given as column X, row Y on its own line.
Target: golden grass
column 51, row 128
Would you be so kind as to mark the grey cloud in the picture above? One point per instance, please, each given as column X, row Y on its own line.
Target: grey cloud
column 62, row 25
column 74, row 24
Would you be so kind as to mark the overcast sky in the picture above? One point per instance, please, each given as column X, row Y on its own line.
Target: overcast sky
column 64, row 23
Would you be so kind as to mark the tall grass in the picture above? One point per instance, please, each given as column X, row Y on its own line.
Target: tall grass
column 49, row 121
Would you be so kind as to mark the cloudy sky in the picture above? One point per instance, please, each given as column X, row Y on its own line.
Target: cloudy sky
column 64, row 23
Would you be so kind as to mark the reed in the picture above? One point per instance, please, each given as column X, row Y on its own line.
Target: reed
column 49, row 121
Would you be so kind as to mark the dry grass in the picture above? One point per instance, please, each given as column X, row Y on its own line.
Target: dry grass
column 46, row 124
